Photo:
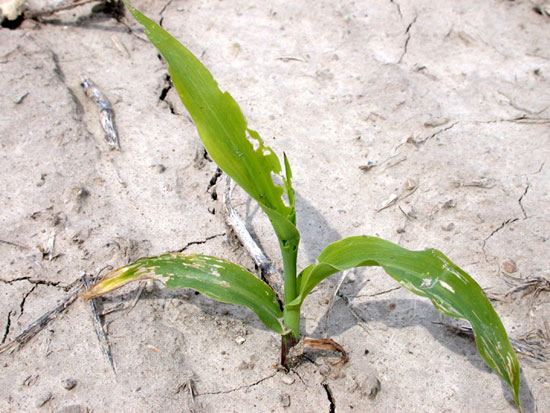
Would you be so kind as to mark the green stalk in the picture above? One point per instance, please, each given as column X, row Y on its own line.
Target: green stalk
column 291, row 318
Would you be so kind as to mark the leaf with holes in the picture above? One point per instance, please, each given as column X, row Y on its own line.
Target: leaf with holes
column 238, row 150
column 429, row 274
column 241, row 153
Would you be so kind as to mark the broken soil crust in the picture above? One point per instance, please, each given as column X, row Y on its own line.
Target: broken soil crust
column 426, row 124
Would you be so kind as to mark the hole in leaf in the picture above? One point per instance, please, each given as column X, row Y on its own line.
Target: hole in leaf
column 253, row 140
column 284, row 198
column 277, row 179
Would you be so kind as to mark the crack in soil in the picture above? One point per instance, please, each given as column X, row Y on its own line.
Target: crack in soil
column 164, row 92
column 523, row 119
column 58, row 70
column 13, row 244
column 35, row 281
column 378, row 293
column 246, row 386
column 22, row 303
column 396, row 4
column 408, row 33
column 504, row 224
column 6, row 329
column 213, row 182
column 165, row 7
column 521, row 199
column 330, row 397
column 211, row 237
column 437, row 132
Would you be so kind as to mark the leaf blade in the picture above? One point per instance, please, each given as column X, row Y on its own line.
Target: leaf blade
column 237, row 149
column 216, row 278
column 430, row 274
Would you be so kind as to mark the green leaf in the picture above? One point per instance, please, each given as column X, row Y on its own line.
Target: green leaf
column 429, row 274
column 219, row 279
column 238, row 150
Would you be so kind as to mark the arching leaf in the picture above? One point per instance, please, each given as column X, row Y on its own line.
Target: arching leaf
column 429, row 274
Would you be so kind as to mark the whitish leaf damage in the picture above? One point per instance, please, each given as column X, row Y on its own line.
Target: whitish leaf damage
column 216, row 278
column 429, row 274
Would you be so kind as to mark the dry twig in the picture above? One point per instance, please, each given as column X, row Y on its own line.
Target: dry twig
column 99, row 327
column 235, row 222
column 52, row 9
column 524, row 345
column 142, row 285
column 106, row 112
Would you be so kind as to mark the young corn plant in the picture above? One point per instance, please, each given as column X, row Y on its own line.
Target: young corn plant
column 243, row 156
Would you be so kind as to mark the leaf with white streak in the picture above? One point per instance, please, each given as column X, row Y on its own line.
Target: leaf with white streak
column 218, row 279
column 429, row 274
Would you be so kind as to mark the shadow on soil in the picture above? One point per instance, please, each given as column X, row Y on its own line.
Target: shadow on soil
column 396, row 313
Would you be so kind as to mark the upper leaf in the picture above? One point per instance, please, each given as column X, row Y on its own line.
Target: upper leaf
column 238, row 150
column 219, row 279
column 429, row 274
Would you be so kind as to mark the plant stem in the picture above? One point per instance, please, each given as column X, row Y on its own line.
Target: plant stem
column 287, row 342
column 291, row 318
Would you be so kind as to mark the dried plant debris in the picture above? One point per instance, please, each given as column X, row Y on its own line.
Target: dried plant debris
column 531, row 285
column 534, row 344
column 48, row 10
column 106, row 112
column 100, row 332
column 237, row 225
column 483, row 182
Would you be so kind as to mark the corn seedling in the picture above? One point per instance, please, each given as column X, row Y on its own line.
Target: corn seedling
column 243, row 156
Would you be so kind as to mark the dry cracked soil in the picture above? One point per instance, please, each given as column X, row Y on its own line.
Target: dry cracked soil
column 425, row 123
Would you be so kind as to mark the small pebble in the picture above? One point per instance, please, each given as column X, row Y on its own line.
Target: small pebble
column 246, row 366
column 410, row 184
column 368, row 166
column 149, row 286
column 372, row 386
column 451, row 203
column 448, row 227
column 240, row 340
column 73, row 408
column 435, row 122
column 161, row 168
column 350, row 279
column 288, row 380
column 69, row 384
column 367, row 384
column 324, row 370
column 285, row 400
column 43, row 399
column 509, row 266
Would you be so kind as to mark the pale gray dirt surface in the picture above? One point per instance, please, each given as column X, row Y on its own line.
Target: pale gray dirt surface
column 451, row 102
